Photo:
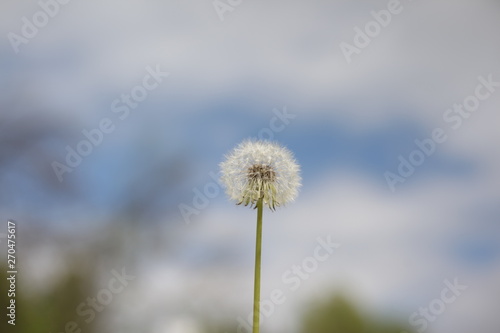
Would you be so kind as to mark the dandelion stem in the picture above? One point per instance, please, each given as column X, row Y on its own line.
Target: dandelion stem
column 258, row 248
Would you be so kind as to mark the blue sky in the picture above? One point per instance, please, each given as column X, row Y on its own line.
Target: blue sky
column 226, row 78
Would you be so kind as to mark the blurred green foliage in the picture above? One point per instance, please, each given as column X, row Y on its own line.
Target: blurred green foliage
column 338, row 315
column 47, row 311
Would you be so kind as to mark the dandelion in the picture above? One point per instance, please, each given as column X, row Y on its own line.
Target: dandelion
column 258, row 174
column 261, row 169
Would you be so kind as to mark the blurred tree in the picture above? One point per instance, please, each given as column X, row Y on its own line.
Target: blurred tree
column 49, row 312
column 338, row 315
column 332, row 316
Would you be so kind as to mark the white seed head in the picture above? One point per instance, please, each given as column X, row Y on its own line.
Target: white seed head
column 261, row 169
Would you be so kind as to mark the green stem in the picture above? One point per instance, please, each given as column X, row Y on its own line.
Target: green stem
column 258, row 248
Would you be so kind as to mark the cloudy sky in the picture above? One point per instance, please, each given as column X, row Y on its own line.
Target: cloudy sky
column 347, row 124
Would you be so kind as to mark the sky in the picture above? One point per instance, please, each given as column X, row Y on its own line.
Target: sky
column 347, row 121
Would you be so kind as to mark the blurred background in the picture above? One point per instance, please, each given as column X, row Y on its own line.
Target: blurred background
column 110, row 166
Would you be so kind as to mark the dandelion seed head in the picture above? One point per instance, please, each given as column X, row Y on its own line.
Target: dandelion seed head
column 261, row 169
